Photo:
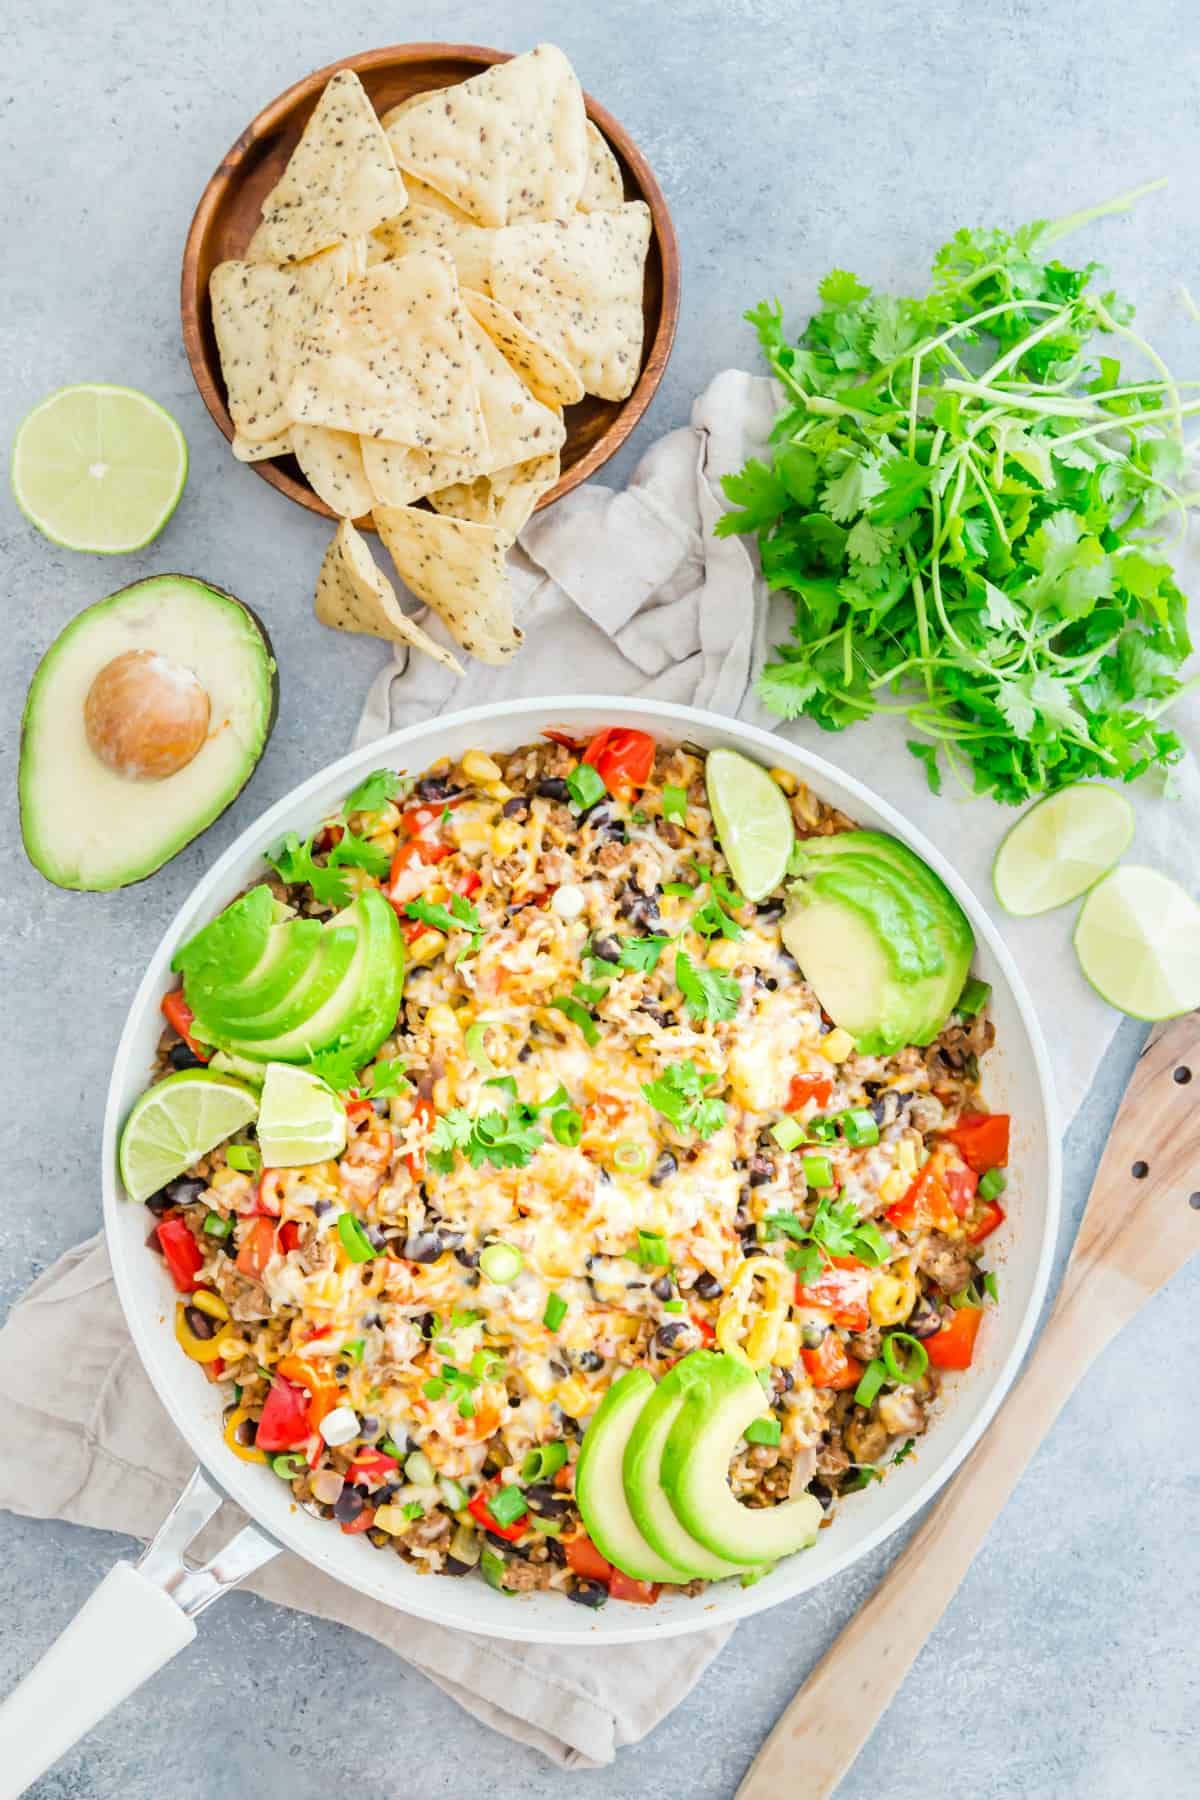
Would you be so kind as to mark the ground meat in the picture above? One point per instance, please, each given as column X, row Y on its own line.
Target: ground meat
column 902, row 1413
column 614, row 858
column 556, row 867
column 763, row 1456
column 670, row 833
column 523, row 1577
column 945, row 1262
column 866, row 1439
column 556, row 759
column 865, row 1344
column 833, row 1459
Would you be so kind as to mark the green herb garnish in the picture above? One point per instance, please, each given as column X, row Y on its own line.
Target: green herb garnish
column 461, row 915
column 579, row 1015
column 373, row 794
column 642, row 953
column 680, row 1095
column 707, row 993
column 506, row 1140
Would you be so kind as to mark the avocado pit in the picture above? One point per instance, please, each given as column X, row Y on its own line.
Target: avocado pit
column 145, row 715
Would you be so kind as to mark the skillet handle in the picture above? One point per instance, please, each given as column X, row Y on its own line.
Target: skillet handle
column 123, row 1635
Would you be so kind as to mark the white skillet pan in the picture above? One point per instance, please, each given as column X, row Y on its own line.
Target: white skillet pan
column 141, row 1616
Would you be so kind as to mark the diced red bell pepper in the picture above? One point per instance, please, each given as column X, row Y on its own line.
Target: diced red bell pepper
column 256, row 1248
column 926, row 1205
column 284, row 1424
column 181, row 1018
column 359, row 1110
column 585, row 1560
column 270, row 1201
column 466, row 884
column 841, row 1290
column 829, row 1366
column 954, row 1345
column 181, row 1253
column 622, row 758
column 374, row 1466
column 322, row 1390
column 425, row 1113
column 808, row 1087
column 641, row 1593
column 289, row 1236
column 364, row 1522
column 417, row 850
column 707, row 1332
column 982, row 1140
column 960, row 1183
column 478, row 1507
column 990, row 1219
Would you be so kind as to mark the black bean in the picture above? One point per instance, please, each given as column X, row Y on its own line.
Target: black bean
column 423, row 1246
column 369, row 1427
column 341, row 1370
column 200, row 1324
column 553, row 787
column 638, row 908
column 556, row 1552
column 185, row 1190
column 373, row 1321
column 924, row 1319
column 661, row 1015
column 588, row 1359
column 768, row 911
column 667, row 1336
column 783, row 1381
column 588, row 1593
column 545, row 1500
column 376, row 1238
column 517, row 807
column 426, row 1325
column 788, row 962
column 872, row 1089
column 607, row 949
column 452, row 1566
column 468, row 1258
column 820, row 1492
column 707, row 1286
column 504, row 1545
column 524, row 1053
column 762, row 1170
column 601, row 821
column 663, row 1288
column 348, row 1505
column 435, row 787
column 160, row 1204
column 182, row 1056
column 558, row 1368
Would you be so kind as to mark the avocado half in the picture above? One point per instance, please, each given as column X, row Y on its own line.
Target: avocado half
column 84, row 824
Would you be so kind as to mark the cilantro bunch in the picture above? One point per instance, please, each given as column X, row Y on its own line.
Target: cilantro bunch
column 836, row 1230
column 967, row 498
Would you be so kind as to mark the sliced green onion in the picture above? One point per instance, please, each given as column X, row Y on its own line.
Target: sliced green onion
column 390, row 1447
column 413, row 1509
column 974, row 997
column 567, row 1126
column 355, row 1242
column 244, row 1158
column 818, row 1171
column 821, row 1130
column 444, row 1347
column 216, row 1226
column 905, row 1356
column 651, row 1251
column 674, row 803
column 287, row 1467
column 542, row 1463
column 508, row 1505
column 763, row 1431
column 237, row 1393
column 456, row 1497
column 787, row 1133
column 991, row 1286
column 966, row 1296
column 476, row 1048
column 992, row 1185
column 434, row 1388
column 419, row 1470
column 466, row 1407
column 859, row 1127
column 505, row 1082
column 585, row 786
column 631, row 1157
column 481, row 1362
column 492, row 1568
column 465, row 1545
column 354, row 1349
column 579, row 1015
column 679, row 889
column 547, row 1527
column 673, row 1306
column 501, row 1263
column 555, row 1313
column 873, row 1378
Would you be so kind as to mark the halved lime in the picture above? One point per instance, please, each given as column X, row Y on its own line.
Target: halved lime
column 1061, row 847
column 300, row 1119
column 99, row 468
column 175, row 1123
column 753, row 821
column 1138, row 943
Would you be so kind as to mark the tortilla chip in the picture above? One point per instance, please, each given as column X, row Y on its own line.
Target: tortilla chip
column 579, row 286
column 604, row 189
column 474, row 500
column 505, row 145
column 353, row 594
column 388, row 358
column 248, row 452
column 331, row 462
column 458, row 568
column 420, row 227
column 341, row 180
column 259, row 314
column 548, row 378
column 506, row 497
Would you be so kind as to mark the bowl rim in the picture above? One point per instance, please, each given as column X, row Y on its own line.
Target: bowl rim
column 149, row 1334
column 655, row 355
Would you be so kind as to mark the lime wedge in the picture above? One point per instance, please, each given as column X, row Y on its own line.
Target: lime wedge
column 99, row 468
column 175, row 1123
column 1138, row 942
column 1061, row 847
column 753, row 821
column 300, row 1119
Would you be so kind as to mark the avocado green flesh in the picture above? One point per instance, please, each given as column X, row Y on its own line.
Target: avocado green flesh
column 652, row 1510
column 84, row 825
column 321, row 979
column 291, row 950
column 599, row 1487
column 695, row 1472
column 374, row 1017
column 848, row 968
column 231, row 946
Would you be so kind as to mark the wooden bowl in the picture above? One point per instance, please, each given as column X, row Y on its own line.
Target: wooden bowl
column 229, row 211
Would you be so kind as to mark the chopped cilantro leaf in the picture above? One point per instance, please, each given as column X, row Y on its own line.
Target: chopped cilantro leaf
column 707, row 993
column 507, row 1140
column 642, row 952
column 373, row 794
column 680, row 1095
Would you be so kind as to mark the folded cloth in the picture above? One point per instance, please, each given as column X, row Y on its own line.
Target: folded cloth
column 622, row 593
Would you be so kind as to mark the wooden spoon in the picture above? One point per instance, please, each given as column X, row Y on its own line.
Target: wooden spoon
column 1141, row 1224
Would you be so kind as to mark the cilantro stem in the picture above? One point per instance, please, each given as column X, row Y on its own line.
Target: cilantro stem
column 1115, row 422
column 1151, row 354
column 1060, row 228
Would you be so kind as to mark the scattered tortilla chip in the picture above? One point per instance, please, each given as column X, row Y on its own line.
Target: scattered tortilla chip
column 396, row 474
column 353, row 594
column 458, row 568
column 604, row 189
column 474, row 500
column 421, row 227
column 340, row 182
column 388, row 358
column 331, row 463
column 245, row 451
column 259, row 314
column 505, row 145
column 578, row 285
column 506, row 497
column 548, row 378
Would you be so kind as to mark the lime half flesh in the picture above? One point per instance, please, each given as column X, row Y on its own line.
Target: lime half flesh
column 1138, row 943
column 99, row 468
column 300, row 1119
column 175, row 1123
column 753, row 821
column 1061, row 847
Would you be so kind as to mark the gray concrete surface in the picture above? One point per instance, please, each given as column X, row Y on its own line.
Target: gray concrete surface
column 788, row 138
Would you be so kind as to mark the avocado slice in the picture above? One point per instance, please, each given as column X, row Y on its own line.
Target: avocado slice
column 292, row 950
column 653, row 1513
column 599, row 1491
column 230, row 946
column 723, row 1396
column 318, row 979
column 90, row 825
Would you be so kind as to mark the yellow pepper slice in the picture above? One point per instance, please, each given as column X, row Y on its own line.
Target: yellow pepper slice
column 748, row 1327
column 201, row 1350
column 247, row 1452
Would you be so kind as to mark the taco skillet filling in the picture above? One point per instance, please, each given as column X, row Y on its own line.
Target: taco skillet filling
column 610, row 1127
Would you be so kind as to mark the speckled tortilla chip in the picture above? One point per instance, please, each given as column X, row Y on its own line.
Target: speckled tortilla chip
column 579, row 286
column 474, row 500
column 260, row 313
column 353, row 594
column 604, row 189
column 506, row 497
column 395, row 473
column 341, row 180
column 388, row 358
column 421, row 227
column 331, row 462
column 548, row 378
column 458, row 568
column 507, row 144
column 248, row 452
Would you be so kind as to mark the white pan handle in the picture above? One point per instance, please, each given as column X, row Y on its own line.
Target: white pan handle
column 124, row 1634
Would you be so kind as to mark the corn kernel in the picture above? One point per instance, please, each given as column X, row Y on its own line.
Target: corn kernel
column 906, row 1157
column 575, row 1399
column 392, row 1520
column 725, row 953
column 893, row 1187
column 887, row 1301
column 441, row 1093
column 538, row 1379
column 783, row 780
column 441, row 1022
column 787, row 1347
column 477, row 765
column 497, row 790
column 424, row 948
column 837, row 1046
column 505, row 837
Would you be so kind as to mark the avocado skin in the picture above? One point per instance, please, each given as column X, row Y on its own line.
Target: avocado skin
column 268, row 728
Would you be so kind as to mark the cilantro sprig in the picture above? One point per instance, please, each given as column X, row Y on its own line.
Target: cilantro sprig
column 460, row 915
column 506, row 1140
column 293, row 862
column 836, row 1230
column 681, row 1095
column 379, row 787
column 967, row 499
